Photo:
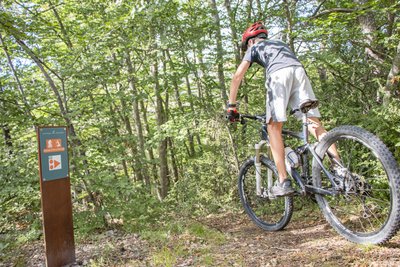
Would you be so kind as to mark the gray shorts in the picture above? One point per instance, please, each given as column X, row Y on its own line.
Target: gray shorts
column 288, row 87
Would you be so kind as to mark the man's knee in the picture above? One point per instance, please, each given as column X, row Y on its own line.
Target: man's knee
column 315, row 123
column 316, row 128
column 275, row 126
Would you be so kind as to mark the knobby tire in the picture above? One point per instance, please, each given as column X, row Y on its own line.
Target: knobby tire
column 367, row 211
column 270, row 215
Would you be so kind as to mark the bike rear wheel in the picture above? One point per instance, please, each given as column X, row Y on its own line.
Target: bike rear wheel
column 366, row 210
column 268, row 214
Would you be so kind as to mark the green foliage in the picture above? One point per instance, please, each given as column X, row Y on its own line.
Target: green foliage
column 196, row 195
column 19, row 193
column 382, row 121
column 125, row 206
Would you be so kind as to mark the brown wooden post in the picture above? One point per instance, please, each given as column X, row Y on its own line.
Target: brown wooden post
column 56, row 196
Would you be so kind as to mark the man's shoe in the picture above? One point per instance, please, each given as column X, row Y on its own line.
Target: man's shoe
column 282, row 189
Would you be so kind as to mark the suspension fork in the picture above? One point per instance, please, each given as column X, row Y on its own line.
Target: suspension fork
column 257, row 163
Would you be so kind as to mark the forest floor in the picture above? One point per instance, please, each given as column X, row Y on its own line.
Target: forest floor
column 228, row 239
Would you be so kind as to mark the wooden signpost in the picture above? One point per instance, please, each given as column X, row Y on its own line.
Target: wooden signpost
column 56, row 196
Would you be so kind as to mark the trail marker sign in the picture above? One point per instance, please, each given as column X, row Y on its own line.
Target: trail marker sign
column 53, row 153
column 56, row 196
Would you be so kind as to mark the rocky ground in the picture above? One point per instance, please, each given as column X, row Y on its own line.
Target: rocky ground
column 228, row 239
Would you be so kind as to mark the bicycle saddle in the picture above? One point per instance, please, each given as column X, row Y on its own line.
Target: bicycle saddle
column 308, row 104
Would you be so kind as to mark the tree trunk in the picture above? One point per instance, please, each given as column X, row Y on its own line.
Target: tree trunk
column 249, row 9
column 220, row 51
column 149, row 149
column 393, row 79
column 323, row 77
column 6, row 130
column 290, row 7
column 175, row 169
column 130, row 142
column 19, row 84
column 261, row 14
column 368, row 27
column 64, row 33
column 196, row 121
column 373, row 52
column 203, row 92
column 138, row 122
column 7, row 138
column 162, row 146
column 107, row 150
column 190, row 149
column 116, row 133
column 232, row 23
column 114, row 120
column 391, row 17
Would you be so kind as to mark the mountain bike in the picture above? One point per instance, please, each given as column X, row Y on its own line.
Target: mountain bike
column 358, row 194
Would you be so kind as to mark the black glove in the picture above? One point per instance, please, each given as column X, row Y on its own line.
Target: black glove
column 232, row 115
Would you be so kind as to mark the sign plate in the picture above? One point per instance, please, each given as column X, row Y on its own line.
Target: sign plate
column 53, row 153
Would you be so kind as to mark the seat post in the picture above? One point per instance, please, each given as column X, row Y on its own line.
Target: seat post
column 305, row 128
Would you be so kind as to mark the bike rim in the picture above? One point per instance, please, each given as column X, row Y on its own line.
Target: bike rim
column 364, row 207
column 262, row 209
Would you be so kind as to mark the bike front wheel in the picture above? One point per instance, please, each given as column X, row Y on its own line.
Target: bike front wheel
column 366, row 208
column 268, row 214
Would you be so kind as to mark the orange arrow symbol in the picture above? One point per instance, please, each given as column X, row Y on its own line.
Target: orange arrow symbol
column 56, row 163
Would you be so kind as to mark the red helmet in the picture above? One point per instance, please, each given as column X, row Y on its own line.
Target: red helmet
column 251, row 32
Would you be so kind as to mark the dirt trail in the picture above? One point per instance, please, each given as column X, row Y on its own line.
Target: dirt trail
column 307, row 241
column 303, row 243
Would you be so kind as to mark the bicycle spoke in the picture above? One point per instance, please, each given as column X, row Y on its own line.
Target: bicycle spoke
column 364, row 205
column 269, row 214
column 370, row 212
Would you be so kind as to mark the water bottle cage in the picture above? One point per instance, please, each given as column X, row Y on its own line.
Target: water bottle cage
column 291, row 157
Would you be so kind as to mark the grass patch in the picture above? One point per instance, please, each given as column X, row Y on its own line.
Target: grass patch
column 155, row 237
column 182, row 241
column 160, row 234
column 206, row 258
column 368, row 247
column 305, row 208
column 207, row 234
column 109, row 257
column 168, row 256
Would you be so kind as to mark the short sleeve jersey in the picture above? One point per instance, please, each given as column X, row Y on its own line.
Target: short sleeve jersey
column 273, row 55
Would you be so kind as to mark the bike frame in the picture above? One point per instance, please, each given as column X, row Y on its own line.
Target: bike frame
column 302, row 151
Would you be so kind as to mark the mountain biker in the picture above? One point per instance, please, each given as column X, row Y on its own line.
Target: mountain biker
column 287, row 84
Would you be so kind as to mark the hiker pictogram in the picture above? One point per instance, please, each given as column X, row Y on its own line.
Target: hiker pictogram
column 55, row 162
column 53, row 145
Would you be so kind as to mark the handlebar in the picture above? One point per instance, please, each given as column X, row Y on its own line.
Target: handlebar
column 260, row 118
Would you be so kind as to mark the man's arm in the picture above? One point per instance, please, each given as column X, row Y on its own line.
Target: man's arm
column 237, row 79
